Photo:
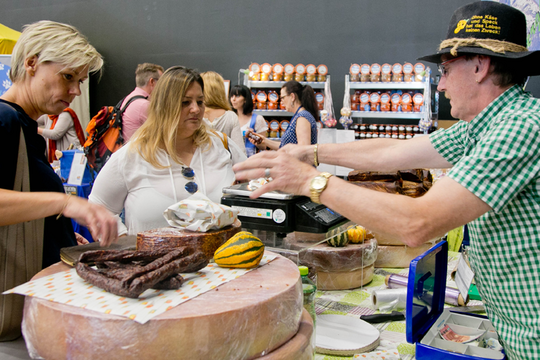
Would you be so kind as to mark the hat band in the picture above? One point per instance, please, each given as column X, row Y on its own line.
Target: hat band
column 496, row 46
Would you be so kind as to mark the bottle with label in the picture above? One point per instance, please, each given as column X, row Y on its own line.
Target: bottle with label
column 309, row 288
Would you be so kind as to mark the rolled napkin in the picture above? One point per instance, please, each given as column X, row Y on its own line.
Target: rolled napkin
column 199, row 213
column 389, row 299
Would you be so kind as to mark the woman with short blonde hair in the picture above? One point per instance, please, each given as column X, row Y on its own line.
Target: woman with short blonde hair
column 218, row 114
column 172, row 156
column 49, row 63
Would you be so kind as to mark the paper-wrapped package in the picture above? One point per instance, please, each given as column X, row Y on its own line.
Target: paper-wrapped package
column 199, row 213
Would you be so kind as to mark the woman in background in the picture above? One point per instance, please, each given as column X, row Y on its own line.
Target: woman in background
column 300, row 100
column 242, row 103
column 169, row 158
column 62, row 131
column 218, row 114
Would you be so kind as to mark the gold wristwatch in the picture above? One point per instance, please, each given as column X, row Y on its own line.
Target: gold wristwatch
column 317, row 186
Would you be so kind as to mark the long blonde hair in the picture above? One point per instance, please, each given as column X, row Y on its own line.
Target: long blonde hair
column 54, row 42
column 214, row 91
column 161, row 127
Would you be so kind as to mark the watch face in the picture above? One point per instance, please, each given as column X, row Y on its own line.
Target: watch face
column 318, row 183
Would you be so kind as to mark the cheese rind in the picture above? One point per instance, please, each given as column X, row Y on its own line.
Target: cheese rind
column 242, row 319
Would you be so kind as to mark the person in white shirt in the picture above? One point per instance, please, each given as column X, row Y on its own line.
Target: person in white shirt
column 218, row 114
column 170, row 157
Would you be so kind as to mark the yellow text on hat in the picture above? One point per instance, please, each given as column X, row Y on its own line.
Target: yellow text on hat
column 460, row 25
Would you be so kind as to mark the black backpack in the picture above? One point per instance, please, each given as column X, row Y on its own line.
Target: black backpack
column 105, row 133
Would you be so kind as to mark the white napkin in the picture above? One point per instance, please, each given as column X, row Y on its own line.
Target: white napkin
column 199, row 213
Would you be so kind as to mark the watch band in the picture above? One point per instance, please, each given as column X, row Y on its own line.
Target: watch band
column 315, row 194
column 316, row 155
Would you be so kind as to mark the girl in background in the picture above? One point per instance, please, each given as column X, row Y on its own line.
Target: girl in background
column 242, row 103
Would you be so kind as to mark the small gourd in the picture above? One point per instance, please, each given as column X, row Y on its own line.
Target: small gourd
column 336, row 239
column 357, row 234
column 243, row 250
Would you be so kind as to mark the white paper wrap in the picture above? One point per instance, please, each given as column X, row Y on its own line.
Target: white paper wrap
column 199, row 213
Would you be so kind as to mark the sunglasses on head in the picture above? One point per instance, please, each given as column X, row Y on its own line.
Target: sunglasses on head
column 191, row 186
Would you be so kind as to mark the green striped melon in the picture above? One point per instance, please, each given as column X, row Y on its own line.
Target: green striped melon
column 336, row 239
column 243, row 250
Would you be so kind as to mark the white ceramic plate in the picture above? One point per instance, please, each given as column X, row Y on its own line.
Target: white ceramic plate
column 345, row 334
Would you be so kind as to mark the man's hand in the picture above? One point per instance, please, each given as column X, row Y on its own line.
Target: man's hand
column 289, row 174
column 304, row 153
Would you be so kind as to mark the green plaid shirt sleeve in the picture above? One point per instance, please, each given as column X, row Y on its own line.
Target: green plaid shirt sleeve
column 450, row 143
column 501, row 164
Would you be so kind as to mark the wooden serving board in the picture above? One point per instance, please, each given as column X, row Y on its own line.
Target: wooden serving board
column 246, row 318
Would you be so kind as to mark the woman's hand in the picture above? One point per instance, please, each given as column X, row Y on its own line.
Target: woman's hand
column 254, row 138
column 97, row 219
column 81, row 240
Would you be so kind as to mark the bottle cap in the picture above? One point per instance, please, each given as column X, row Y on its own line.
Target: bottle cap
column 303, row 270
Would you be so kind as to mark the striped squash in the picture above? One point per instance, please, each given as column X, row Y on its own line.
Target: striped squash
column 337, row 239
column 357, row 234
column 243, row 250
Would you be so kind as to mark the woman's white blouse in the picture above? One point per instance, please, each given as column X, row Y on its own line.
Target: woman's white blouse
column 128, row 181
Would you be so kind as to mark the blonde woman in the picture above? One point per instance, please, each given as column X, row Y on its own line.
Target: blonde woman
column 49, row 62
column 218, row 114
column 171, row 156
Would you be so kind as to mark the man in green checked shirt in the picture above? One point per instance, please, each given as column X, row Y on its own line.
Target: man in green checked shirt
column 494, row 181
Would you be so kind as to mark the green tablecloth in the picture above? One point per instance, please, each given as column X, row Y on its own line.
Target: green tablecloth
column 357, row 302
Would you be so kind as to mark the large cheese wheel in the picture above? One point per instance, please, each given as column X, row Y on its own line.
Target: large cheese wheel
column 327, row 258
column 383, row 240
column 170, row 237
column 344, row 280
column 299, row 347
column 246, row 318
column 399, row 256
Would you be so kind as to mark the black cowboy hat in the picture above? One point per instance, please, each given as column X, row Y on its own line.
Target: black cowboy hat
column 488, row 28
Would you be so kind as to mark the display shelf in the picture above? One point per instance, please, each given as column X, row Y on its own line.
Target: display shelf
column 272, row 112
column 387, row 114
column 423, row 85
column 387, row 85
column 279, row 84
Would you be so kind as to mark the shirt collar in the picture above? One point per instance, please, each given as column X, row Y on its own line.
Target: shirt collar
column 482, row 121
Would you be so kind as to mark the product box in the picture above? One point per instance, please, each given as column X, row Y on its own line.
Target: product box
column 426, row 316
column 65, row 166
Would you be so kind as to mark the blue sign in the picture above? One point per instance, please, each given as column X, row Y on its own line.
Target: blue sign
column 5, row 82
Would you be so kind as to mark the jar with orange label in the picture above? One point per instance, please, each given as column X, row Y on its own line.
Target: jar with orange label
column 397, row 72
column 283, row 125
column 273, row 100
column 311, row 72
column 266, row 70
column 319, row 96
column 386, row 73
column 374, row 99
column 253, row 97
column 375, row 73
column 418, row 101
column 273, row 126
column 365, row 73
column 300, row 72
column 288, row 72
column 408, row 72
column 395, row 99
column 322, row 70
column 261, row 100
column 385, row 102
column 364, row 102
column 419, row 71
column 277, row 72
column 354, row 72
column 406, row 102
column 254, row 72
